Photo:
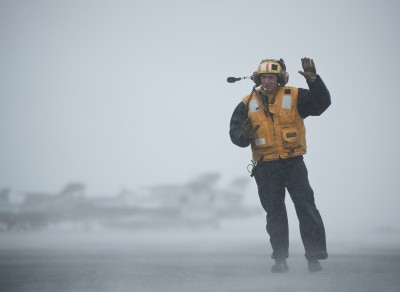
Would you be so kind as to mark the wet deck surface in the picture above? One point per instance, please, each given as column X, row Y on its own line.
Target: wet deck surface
column 149, row 262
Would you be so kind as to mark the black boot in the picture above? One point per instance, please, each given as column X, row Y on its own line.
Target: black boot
column 314, row 266
column 280, row 266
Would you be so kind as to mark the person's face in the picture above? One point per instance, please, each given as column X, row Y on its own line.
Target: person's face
column 269, row 82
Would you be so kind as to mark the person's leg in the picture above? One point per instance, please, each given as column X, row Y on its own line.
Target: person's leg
column 311, row 225
column 272, row 196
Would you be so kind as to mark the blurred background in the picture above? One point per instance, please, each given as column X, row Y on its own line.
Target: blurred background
column 115, row 114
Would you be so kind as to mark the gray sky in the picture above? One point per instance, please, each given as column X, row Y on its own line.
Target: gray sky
column 132, row 93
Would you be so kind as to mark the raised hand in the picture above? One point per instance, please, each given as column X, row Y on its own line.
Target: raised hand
column 310, row 73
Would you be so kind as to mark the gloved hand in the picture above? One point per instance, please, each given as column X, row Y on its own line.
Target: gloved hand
column 248, row 129
column 310, row 73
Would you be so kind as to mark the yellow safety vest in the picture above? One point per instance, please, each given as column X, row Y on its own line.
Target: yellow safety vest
column 281, row 133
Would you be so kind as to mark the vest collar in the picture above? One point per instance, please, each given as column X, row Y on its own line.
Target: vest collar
column 269, row 95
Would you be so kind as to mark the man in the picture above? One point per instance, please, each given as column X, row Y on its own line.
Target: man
column 271, row 120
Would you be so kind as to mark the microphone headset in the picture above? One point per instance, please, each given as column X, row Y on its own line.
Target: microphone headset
column 283, row 76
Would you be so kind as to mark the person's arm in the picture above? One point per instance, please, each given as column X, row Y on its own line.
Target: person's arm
column 317, row 99
column 236, row 131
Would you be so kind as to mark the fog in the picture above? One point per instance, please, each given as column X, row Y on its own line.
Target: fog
column 126, row 95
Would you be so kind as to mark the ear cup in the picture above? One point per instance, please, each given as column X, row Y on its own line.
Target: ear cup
column 284, row 78
column 256, row 78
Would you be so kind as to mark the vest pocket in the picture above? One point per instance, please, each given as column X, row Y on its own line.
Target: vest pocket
column 264, row 136
column 263, row 142
column 291, row 138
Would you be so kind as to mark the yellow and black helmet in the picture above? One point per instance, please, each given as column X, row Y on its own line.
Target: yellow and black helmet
column 271, row 66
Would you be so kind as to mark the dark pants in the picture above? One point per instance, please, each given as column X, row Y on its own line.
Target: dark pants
column 272, row 178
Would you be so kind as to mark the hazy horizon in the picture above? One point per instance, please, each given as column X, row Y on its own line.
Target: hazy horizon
column 125, row 94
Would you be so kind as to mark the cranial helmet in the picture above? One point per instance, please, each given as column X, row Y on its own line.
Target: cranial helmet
column 271, row 66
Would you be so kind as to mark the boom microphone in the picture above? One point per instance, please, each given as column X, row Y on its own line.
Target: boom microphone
column 234, row 79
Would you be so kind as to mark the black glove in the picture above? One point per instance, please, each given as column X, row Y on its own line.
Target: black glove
column 310, row 73
column 248, row 129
